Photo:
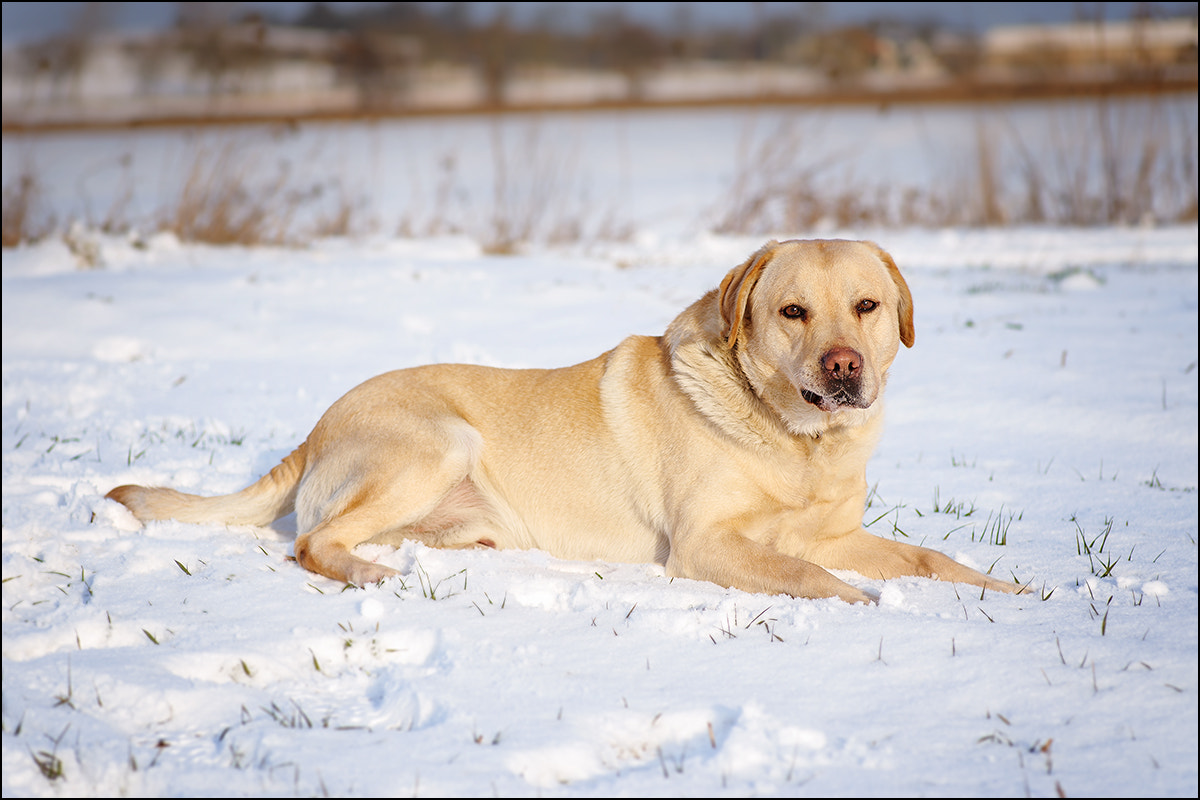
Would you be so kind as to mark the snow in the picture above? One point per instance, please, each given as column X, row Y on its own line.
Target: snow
column 1044, row 427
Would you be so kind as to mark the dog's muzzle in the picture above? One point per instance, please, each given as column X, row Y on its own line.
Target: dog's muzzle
column 841, row 373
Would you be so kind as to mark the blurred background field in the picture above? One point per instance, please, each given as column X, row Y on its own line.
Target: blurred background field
column 71, row 64
column 535, row 123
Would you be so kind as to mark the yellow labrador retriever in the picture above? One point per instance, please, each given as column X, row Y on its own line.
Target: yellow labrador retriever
column 732, row 449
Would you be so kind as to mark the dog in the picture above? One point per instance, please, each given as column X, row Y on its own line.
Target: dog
column 731, row 449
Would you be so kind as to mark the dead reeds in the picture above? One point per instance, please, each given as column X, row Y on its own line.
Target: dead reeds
column 24, row 219
column 532, row 192
column 221, row 203
column 1094, row 164
column 1103, row 164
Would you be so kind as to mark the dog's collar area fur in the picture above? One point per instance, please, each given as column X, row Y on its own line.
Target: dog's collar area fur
column 711, row 375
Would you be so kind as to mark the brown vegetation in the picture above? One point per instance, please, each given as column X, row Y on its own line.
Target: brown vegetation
column 1129, row 169
column 23, row 217
column 218, row 205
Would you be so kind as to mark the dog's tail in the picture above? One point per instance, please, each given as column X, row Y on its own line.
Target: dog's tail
column 263, row 502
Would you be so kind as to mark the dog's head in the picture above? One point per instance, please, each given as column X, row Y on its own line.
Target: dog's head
column 815, row 326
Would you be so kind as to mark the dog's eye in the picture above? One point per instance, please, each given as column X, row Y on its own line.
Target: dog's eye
column 866, row 306
column 794, row 311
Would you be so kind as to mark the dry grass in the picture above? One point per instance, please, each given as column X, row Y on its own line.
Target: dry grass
column 221, row 202
column 346, row 218
column 226, row 197
column 1104, row 165
column 23, row 217
column 1128, row 166
column 532, row 189
column 535, row 195
column 1101, row 164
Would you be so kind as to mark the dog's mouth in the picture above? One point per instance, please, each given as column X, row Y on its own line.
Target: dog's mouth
column 834, row 402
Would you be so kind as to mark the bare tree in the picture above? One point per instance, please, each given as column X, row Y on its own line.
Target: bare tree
column 62, row 59
column 495, row 59
column 380, row 65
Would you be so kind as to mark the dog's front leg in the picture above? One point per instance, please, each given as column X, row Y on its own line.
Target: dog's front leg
column 731, row 559
column 875, row 557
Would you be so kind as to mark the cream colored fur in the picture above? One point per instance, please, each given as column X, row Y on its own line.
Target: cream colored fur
column 733, row 449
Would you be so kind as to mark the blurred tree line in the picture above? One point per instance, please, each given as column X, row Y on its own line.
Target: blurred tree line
column 380, row 49
column 609, row 38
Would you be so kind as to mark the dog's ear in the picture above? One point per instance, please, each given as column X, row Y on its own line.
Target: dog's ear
column 907, row 332
column 734, row 296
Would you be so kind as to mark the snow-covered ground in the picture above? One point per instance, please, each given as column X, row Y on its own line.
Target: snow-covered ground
column 1044, row 427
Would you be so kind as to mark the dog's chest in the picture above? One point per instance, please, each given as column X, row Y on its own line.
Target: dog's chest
column 818, row 471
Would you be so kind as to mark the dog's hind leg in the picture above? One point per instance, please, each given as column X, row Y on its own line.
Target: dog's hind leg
column 326, row 549
column 459, row 519
column 406, row 482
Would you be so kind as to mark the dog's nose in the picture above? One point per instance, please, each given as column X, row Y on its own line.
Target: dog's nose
column 842, row 363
